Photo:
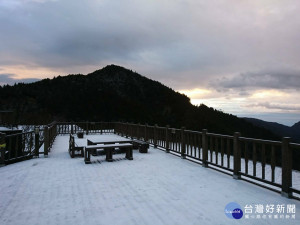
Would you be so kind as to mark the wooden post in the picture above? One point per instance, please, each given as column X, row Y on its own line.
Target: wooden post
column 138, row 131
column 87, row 156
column 236, row 156
column 127, row 130
column 114, row 126
column 119, row 127
column 55, row 129
column 155, row 136
column 183, row 153
column 167, row 139
column 37, row 141
column 72, row 131
column 287, row 155
column 129, row 153
column 131, row 130
column 49, row 138
column 46, row 141
column 2, row 149
column 204, row 148
column 109, row 152
column 146, row 137
column 123, row 129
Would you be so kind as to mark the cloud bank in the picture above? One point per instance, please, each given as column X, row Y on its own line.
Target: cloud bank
column 10, row 79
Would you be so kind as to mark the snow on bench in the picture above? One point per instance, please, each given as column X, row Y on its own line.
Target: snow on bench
column 137, row 144
column 108, row 149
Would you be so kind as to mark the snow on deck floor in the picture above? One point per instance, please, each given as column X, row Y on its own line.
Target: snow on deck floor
column 154, row 188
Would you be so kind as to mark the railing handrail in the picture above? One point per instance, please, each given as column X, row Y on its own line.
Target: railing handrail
column 220, row 135
column 11, row 135
column 260, row 141
column 295, row 145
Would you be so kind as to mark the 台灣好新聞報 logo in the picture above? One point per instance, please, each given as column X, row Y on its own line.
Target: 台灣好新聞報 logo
column 233, row 211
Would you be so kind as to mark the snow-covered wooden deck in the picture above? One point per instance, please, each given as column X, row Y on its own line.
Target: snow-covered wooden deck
column 153, row 188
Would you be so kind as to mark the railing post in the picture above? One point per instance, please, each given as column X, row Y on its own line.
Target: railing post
column 146, row 137
column 127, row 130
column 287, row 155
column 46, row 141
column 121, row 128
column 36, row 141
column 2, row 149
column 72, row 131
column 87, row 128
column 55, row 129
column 167, row 139
column 138, row 131
column 155, row 136
column 50, row 138
column 204, row 148
column 114, row 126
column 58, row 128
column 131, row 130
column 183, row 153
column 236, row 156
column 117, row 128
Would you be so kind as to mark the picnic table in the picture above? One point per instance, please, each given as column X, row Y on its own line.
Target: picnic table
column 109, row 147
column 137, row 144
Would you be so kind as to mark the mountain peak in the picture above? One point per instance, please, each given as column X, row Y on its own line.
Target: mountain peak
column 112, row 71
column 115, row 93
column 296, row 125
column 113, row 66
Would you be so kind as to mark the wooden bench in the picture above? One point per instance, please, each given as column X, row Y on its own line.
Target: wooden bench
column 91, row 142
column 109, row 150
column 73, row 148
column 141, row 145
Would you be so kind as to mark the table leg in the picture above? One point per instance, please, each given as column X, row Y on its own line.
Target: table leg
column 129, row 153
column 109, row 152
column 87, row 156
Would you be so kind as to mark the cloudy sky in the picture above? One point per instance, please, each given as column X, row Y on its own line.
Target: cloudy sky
column 239, row 56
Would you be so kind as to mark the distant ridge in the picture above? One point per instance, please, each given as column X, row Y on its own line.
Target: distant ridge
column 279, row 129
column 115, row 93
column 296, row 125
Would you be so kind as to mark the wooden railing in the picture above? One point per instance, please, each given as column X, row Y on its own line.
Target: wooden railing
column 50, row 133
column 263, row 162
column 243, row 158
column 25, row 145
column 86, row 127
column 20, row 146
